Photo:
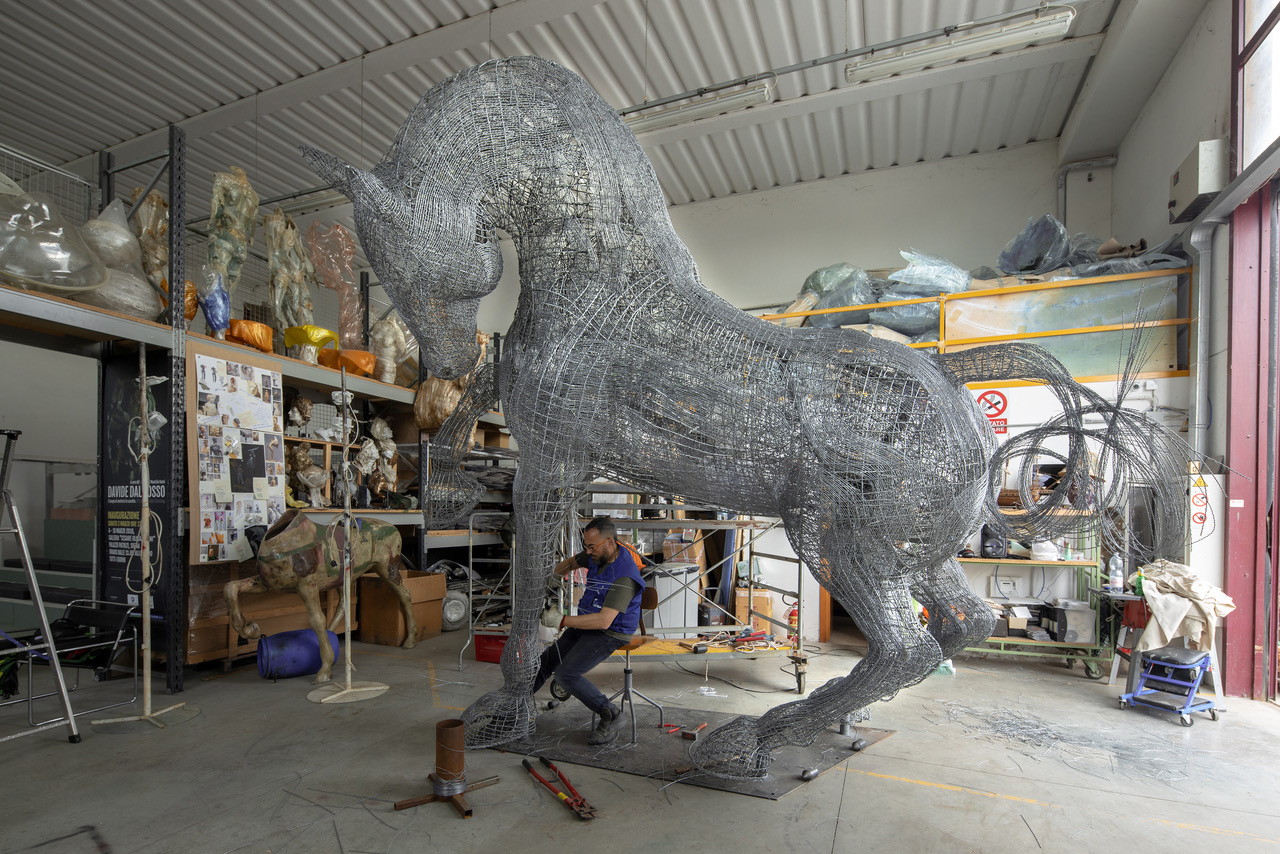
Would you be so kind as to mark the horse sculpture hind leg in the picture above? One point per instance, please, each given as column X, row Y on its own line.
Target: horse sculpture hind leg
column 958, row 617
column 873, row 588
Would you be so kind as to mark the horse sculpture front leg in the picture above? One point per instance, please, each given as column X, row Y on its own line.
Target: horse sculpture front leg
column 508, row 713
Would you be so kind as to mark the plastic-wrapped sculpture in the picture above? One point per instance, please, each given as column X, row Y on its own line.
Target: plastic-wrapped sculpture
column 233, row 215
column 289, row 271
column 151, row 225
column 621, row 363
column 331, row 249
column 386, row 342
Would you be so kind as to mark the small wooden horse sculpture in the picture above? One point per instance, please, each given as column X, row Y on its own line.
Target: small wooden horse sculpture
column 296, row 555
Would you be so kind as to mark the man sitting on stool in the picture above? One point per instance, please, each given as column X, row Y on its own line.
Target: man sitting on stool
column 608, row 615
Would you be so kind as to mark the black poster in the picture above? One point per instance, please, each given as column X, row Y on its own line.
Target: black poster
column 120, row 566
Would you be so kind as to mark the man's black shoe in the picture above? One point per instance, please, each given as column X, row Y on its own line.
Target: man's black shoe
column 607, row 727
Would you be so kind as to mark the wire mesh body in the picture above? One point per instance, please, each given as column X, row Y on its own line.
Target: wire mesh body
column 621, row 364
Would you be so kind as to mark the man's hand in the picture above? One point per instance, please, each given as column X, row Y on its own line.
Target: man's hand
column 551, row 617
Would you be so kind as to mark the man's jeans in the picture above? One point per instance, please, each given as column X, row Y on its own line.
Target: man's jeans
column 571, row 657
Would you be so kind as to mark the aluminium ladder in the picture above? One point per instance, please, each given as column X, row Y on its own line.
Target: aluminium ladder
column 45, row 641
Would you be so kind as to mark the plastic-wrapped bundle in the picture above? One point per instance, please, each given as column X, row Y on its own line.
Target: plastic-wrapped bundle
column 41, row 250
column 855, row 288
column 126, row 288
column 1043, row 245
column 332, row 248
column 910, row 320
column 925, row 276
column 824, row 280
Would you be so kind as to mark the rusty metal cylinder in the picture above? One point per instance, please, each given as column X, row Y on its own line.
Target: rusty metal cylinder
column 450, row 777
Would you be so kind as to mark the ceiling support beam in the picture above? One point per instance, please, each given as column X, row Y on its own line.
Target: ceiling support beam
column 416, row 51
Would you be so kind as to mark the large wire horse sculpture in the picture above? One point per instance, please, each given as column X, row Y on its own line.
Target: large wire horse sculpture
column 620, row 363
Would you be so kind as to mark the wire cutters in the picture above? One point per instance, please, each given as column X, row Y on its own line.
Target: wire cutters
column 584, row 810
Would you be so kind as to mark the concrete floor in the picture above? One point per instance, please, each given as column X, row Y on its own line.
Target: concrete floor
column 1007, row 754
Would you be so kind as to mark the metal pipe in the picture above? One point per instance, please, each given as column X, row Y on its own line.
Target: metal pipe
column 450, row 743
column 1201, row 243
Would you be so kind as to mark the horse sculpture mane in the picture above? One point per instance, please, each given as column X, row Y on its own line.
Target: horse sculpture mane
column 621, row 363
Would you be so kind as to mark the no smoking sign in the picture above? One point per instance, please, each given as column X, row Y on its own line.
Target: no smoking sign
column 992, row 403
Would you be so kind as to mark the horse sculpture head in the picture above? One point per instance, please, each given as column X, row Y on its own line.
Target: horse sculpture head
column 431, row 252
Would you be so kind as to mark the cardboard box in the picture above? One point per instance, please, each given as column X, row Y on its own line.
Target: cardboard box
column 1016, row 617
column 686, row 552
column 761, row 601
column 382, row 622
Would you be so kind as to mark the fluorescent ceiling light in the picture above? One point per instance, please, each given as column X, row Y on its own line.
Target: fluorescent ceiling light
column 700, row 109
column 1023, row 34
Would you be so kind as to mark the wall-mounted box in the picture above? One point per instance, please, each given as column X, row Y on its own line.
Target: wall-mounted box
column 1200, row 177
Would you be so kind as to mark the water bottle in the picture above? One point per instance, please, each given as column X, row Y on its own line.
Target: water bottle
column 1116, row 580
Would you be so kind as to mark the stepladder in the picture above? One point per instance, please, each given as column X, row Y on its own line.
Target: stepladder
column 43, row 643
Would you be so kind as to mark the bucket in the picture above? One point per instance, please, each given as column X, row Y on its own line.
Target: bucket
column 294, row 653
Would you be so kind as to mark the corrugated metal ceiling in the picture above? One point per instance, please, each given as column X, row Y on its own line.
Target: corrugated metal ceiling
column 251, row 79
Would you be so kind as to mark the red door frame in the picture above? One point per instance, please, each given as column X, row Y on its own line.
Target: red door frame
column 1249, row 634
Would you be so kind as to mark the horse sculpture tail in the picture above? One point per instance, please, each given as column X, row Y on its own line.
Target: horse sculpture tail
column 1106, row 451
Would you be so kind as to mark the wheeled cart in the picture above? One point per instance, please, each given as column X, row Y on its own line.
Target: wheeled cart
column 1170, row 678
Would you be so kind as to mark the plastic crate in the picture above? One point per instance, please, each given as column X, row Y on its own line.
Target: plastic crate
column 489, row 647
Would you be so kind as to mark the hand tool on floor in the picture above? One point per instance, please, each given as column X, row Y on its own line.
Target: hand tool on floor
column 577, row 803
column 670, row 728
column 692, row 732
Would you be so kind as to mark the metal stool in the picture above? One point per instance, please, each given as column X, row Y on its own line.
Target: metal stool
column 648, row 601
column 1174, row 673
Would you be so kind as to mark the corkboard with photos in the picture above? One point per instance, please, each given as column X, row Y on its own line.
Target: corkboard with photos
column 235, row 449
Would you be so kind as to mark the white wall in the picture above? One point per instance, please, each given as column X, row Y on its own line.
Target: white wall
column 1191, row 103
column 758, row 248
column 53, row 399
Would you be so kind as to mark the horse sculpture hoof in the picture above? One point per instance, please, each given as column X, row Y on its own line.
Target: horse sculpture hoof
column 733, row 751
column 497, row 718
column 321, row 678
column 251, row 632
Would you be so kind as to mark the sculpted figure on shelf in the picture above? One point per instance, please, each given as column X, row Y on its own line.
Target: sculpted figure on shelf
column 332, row 249
column 289, row 271
column 306, row 475
column 621, row 363
column 297, row 555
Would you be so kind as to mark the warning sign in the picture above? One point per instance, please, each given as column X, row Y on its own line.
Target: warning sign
column 1199, row 518
column 999, row 425
column 993, row 404
column 1199, row 499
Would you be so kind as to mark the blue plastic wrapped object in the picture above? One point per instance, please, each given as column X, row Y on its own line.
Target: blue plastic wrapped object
column 215, row 301
column 1040, row 247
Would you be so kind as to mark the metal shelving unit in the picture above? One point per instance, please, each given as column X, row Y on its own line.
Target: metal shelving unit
column 53, row 323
